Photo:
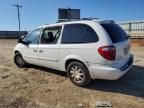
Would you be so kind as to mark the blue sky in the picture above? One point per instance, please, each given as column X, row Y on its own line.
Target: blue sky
column 39, row 12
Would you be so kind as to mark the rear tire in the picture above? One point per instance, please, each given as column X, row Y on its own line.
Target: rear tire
column 78, row 73
column 19, row 61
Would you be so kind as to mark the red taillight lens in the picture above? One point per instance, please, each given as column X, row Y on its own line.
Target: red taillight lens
column 108, row 52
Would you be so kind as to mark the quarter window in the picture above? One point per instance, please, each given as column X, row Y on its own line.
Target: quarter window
column 78, row 33
column 116, row 33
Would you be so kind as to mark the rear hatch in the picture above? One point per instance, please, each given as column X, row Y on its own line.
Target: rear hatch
column 120, row 41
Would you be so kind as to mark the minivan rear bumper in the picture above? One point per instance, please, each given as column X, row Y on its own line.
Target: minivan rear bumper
column 109, row 73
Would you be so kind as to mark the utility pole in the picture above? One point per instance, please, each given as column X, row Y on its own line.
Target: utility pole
column 69, row 14
column 18, row 7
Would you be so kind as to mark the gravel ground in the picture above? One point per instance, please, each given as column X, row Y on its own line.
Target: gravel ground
column 37, row 87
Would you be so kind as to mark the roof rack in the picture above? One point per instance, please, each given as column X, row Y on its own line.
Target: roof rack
column 68, row 20
column 107, row 21
column 91, row 18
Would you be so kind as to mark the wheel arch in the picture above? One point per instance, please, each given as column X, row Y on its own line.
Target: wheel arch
column 16, row 51
column 68, row 61
column 86, row 72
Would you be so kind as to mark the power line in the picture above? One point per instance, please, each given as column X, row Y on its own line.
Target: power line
column 18, row 7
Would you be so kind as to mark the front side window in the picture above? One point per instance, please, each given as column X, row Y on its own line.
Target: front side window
column 50, row 35
column 78, row 33
column 33, row 37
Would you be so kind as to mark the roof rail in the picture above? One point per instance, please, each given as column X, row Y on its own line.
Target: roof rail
column 107, row 21
column 68, row 20
column 91, row 18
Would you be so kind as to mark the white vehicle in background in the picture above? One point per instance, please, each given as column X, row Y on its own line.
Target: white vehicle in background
column 84, row 49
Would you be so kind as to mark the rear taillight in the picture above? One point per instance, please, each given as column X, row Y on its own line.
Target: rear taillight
column 108, row 52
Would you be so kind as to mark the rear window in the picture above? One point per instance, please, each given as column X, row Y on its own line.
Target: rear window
column 116, row 33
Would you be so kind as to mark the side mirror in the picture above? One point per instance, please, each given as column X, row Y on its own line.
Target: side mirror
column 26, row 42
column 20, row 40
column 23, row 36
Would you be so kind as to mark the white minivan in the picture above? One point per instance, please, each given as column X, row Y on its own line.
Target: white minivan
column 85, row 49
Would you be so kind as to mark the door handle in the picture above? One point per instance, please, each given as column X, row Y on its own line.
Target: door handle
column 41, row 51
column 34, row 50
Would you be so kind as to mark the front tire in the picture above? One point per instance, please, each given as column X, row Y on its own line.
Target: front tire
column 19, row 61
column 78, row 73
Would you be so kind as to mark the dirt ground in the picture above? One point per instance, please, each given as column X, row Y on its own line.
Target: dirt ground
column 37, row 87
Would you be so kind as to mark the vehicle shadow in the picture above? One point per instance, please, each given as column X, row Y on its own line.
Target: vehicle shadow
column 52, row 71
column 130, row 84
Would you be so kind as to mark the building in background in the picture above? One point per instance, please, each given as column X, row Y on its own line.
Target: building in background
column 135, row 29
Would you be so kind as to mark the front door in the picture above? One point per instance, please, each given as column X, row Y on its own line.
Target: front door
column 30, row 51
column 48, row 49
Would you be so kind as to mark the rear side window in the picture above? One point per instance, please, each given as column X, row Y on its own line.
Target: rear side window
column 78, row 33
column 116, row 33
